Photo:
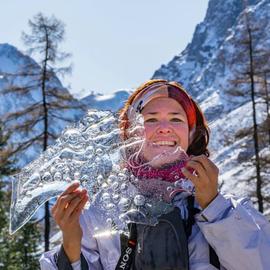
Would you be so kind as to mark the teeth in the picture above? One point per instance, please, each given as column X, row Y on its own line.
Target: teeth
column 165, row 143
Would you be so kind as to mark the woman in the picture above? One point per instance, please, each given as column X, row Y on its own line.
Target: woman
column 226, row 233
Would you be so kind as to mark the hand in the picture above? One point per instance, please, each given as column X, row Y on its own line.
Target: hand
column 66, row 213
column 205, row 180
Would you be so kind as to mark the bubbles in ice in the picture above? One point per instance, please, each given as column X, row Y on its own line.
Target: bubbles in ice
column 53, row 170
column 139, row 200
column 40, row 185
column 104, row 186
column 109, row 221
column 116, row 198
column 100, row 179
column 77, row 176
column 72, row 138
column 47, row 177
column 122, row 185
column 115, row 186
column 35, row 178
column 57, row 176
column 123, row 204
column 99, row 152
column 83, row 152
column 106, row 198
column 178, row 183
column 112, row 179
column 122, row 177
column 109, row 206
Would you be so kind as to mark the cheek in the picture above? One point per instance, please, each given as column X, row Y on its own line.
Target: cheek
column 183, row 134
column 148, row 131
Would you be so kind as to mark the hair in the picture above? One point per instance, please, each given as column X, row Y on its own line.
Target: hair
column 200, row 140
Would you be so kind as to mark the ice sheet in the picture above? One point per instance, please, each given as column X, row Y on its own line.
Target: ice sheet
column 93, row 152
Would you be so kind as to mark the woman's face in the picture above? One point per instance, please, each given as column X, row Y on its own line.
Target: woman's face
column 166, row 128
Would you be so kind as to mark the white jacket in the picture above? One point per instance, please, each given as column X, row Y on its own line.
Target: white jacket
column 239, row 234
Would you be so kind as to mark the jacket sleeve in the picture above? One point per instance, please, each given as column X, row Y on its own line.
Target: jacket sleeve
column 238, row 233
column 56, row 258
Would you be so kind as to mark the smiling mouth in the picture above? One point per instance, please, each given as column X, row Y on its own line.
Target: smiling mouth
column 165, row 143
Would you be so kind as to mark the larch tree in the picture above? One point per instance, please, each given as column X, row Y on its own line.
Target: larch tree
column 250, row 61
column 38, row 120
column 20, row 250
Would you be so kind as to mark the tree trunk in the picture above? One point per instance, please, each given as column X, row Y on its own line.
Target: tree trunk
column 267, row 104
column 255, row 126
column 45, row 140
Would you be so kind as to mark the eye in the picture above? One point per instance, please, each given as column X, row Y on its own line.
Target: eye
column 176, row 120
column 150, row 120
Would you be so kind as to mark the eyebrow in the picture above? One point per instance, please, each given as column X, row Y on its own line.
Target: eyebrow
column 173, row 113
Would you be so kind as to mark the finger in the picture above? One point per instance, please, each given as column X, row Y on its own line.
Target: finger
column 63, row 204
column 63, row 200
column 213, row 166
column 77, row 212
column 193, row 178
column 71, row 188
column 207, row 164
column 54, row 207
column 198, row 167
column 72, row 206
column 66, row 199
column 205, row 161
column 202, row 178
column 202, row 159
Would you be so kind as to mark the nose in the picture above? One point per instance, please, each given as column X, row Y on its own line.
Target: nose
column 164, row 128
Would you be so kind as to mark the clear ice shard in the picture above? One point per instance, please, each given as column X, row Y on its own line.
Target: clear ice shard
column 93, row 152
column 84, row 152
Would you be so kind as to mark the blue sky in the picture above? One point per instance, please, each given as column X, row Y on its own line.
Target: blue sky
column 115, row 44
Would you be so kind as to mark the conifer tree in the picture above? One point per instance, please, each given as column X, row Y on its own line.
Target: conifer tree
column 20, row 250
column 252, row 63
column 37, row 120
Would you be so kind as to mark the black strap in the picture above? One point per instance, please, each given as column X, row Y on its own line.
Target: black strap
column 214, row 260
column 62, row 260
column 84, row 264
column 63, row 263
column 192, row 211
column 126, row 259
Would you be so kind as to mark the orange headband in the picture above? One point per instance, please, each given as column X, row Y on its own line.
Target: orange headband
column 162, row 89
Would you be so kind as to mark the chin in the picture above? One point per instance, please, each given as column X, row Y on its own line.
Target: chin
column 165, row 156
column 161, row 159
column 160, row 164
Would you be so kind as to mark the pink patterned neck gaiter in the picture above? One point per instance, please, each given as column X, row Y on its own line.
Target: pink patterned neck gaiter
column 169, row 172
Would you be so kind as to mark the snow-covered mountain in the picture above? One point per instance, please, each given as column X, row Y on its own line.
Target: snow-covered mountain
column 110, row 102
column 209, row 35
column 208, row 67
column 13, row 61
